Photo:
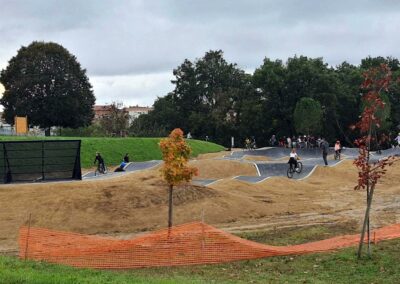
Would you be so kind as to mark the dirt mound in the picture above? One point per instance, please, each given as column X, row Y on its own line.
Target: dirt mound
column 256, row 158
column 137, row 202
column 213, row 155
column 216, row 169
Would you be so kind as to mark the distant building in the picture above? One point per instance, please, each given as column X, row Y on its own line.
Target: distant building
column 100, row 111
column 135, row 111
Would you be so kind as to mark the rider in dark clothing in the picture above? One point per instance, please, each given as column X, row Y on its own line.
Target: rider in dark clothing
column 126, row 158
column 99, row 159
column 325, row 148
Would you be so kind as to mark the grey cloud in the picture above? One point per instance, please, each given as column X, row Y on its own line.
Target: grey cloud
column 136, row 37
column 121, row 38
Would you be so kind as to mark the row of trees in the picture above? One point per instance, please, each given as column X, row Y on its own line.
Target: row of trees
column 214, row 98
column 211, row 97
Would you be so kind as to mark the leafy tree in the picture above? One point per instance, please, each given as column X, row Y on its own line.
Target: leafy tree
column 160, row 121
column 116, row 122
column 215, row 98
column 376, row 80
column 281, row 86
column 46, row 83
column 348, row 100
column 175, row 170
column 207, row 100
column 393, row 90
column 308, row 116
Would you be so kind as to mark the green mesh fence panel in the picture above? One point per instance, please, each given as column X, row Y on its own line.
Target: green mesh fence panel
column 31, row 161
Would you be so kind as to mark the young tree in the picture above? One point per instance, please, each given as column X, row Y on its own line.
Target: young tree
column 376, row 81
column 308, row 116
column 46, row 83
column 175, row 170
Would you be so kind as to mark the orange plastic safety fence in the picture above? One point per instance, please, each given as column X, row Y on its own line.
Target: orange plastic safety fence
column 194, row 243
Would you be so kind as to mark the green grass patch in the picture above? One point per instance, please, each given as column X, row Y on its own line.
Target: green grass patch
column 333, row 267
column 300, row 235
column 114, row 149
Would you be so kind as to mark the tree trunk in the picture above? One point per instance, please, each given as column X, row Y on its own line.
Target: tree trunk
column 366, row 219
column 370, row 192
column 170, row 206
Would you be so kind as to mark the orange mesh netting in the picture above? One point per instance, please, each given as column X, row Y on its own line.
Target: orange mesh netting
column 193, row 243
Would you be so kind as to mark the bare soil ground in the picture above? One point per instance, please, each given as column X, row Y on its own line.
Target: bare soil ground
column 256, row 158
column 216, row 169
column 137, row 202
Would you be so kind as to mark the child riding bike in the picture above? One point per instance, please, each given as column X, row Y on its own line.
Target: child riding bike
column 293, row 157
column 338, row 150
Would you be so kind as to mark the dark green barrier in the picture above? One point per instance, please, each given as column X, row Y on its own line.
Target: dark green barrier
column 31, row 161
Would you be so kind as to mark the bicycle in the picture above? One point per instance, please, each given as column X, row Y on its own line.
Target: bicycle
column 101, row 169
column 337, row 155
column 292, row 170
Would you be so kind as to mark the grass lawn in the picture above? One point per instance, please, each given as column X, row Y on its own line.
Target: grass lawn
column 114, row 149
column 334, row 267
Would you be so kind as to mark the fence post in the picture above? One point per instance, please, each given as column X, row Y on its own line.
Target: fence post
column 27, row 237
column 5, row 163
column 42, row 159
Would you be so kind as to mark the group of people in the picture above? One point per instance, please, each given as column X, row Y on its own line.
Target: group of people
column 102, row 167
column 301, row 141
column 323, row 144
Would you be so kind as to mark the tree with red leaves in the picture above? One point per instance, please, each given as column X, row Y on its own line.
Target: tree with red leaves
column 376, row 81
column 176, row 154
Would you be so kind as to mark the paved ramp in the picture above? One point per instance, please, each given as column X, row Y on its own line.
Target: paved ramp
column 310, row 158
column 131, row 167
column 387, row 152
column 277, row 153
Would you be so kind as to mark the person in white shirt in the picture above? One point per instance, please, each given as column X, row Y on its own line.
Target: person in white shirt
column 397, row 140
column 293, row 157
column 289, row 142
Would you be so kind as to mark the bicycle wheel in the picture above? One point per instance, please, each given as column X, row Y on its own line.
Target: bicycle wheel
column 105, row 170
column 299, row 167
column 290, row 173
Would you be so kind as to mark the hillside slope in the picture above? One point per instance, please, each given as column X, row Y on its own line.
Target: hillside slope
column 113, row 149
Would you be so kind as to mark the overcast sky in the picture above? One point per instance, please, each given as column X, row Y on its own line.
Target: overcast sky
column 129, row 48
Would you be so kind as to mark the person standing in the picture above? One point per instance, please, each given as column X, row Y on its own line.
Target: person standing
column 325, row 148
column 397, row 140
column 272, row 141
column 289, row 142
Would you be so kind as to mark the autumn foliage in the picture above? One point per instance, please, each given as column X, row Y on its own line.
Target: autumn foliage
column 376, row 81
column 175, row 170
column 176, row 155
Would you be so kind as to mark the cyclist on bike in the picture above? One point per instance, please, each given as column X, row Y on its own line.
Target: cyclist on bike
column 293, row 157
column 338, row 148
column 100, row 160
